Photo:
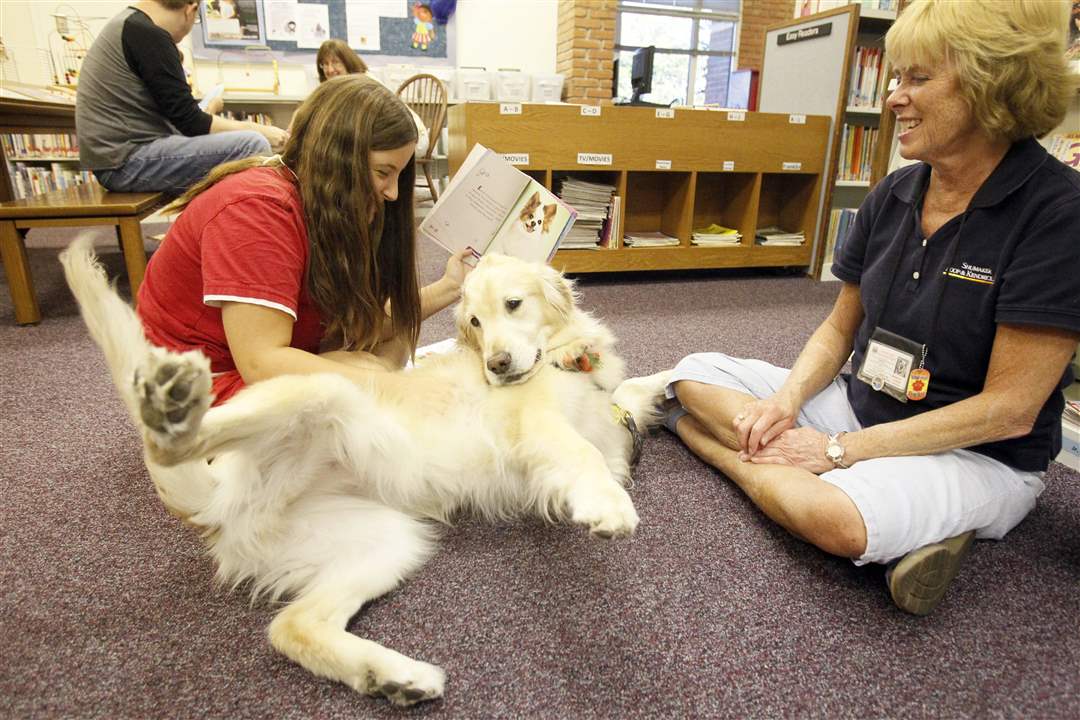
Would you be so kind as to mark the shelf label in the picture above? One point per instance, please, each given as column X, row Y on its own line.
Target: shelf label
column 792, row 166
column 593, row 158
column 665, row 113
column 736, row 116
column 590, row 110
column 796, row 119
column 509, row 108
column 663, row 164
column 806, row 33
column 729, row 165
column 516, row 158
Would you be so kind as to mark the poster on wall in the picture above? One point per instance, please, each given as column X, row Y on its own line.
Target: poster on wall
column 231, row 22
column 280, row 19
column 312, row 25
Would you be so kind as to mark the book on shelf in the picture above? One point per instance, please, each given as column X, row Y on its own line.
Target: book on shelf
column 1066, row 148
column 774, row 235
column 714, row 235
column 841, row 220
column 649, row 239
column 866, row 78
column 809, row 7
column 491, row 206
column 40, row 146
column 593, row 202
column 1072, row 411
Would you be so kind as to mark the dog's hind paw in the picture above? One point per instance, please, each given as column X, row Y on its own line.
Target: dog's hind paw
column 606, row 510
column 173, row 390
column 408, row 682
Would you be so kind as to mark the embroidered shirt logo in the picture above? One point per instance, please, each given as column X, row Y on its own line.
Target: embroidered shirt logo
column 972, row 273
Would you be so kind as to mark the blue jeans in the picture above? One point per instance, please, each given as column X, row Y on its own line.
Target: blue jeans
column 173, row 164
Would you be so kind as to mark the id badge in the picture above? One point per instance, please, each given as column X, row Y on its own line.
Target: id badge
column 888, row 363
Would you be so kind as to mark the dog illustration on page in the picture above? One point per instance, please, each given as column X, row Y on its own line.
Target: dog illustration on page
column 532, row 228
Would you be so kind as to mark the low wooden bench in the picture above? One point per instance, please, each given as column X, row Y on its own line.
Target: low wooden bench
column 74, row 207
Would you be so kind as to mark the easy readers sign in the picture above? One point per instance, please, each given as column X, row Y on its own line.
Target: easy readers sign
column 808, row 33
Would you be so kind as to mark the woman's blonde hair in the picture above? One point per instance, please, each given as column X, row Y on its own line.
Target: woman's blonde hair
column 358, row 263
column 339, row 49
column 1009, row 56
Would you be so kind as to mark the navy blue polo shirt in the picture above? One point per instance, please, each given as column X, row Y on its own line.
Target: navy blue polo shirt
column 1012, row 257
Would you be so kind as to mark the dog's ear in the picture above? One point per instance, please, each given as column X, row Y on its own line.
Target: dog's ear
column 558, row 291
column 534, row 202
column 466, row 332
column 549, row 215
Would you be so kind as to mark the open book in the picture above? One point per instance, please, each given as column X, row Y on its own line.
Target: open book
column 491, row 206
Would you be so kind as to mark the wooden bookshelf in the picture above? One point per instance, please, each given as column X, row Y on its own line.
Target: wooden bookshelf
column 743, row 169
column 32, row 116
column 815, row 75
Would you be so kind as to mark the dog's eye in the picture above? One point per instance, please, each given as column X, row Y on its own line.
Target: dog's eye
column 474, row 321
column 513, row 304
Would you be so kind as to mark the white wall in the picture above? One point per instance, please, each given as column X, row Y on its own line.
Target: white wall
column 490, row 33
column 508, row 33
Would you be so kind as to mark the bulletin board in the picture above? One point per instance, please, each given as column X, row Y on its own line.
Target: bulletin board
column 292, row 30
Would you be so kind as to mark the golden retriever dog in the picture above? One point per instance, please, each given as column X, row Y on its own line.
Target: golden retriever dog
column 321, row 492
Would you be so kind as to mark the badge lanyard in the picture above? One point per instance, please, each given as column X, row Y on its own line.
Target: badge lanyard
column 918, row 380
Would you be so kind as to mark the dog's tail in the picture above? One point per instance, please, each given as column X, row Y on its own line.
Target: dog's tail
column 114, row 326
column 112, row 322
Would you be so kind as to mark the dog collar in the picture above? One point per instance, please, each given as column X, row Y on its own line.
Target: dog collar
column 624, row 418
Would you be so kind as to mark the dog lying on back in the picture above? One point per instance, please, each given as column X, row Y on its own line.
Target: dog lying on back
column 322, row 491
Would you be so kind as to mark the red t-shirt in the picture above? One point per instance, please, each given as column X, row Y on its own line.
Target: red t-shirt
column 243, row 240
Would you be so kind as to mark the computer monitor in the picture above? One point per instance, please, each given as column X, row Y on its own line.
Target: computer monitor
column 641, row 70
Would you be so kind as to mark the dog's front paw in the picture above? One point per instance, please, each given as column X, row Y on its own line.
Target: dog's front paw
column 173, row 390
column 405, row 681
column 605, row 509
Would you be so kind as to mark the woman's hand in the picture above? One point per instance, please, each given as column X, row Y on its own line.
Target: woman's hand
column 760, row 421
column 799, row 447
column 457, row 269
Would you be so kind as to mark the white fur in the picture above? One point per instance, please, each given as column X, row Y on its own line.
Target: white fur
column 320, row 491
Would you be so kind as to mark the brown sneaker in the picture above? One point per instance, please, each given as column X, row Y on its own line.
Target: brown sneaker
column 919, row 581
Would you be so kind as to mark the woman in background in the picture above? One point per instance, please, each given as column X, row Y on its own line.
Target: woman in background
column 274, row 260
column 336, row 58
column 961, row 302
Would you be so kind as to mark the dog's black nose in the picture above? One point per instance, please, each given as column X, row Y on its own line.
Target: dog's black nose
column 499, row 363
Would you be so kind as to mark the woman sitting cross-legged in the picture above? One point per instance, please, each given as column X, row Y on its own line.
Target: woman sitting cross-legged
column 960, row 311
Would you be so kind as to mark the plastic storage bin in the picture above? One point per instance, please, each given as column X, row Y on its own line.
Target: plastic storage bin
column 547, row 88
column 394, row 75
column 511, row 85
column 473, row 83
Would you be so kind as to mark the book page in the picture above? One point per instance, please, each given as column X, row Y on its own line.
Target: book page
column 535, row 226
column 475, row 204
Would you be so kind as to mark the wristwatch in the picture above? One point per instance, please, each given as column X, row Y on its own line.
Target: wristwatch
column 834, row 451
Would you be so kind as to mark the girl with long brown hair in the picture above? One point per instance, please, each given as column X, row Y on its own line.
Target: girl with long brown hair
column 273, row 259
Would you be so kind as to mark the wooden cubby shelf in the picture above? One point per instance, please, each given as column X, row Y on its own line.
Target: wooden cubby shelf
column 740, row 169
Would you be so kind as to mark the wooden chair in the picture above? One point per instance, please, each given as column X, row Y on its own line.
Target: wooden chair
column 426, row 95
column 74, row 207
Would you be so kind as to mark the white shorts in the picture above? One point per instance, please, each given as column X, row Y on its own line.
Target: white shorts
column 905, row 502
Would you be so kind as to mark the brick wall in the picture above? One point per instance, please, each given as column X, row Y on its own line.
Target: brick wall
column 586, row 43
column 586, row 49
column 756, row 16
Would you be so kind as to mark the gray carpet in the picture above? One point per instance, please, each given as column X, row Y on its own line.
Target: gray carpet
column 108, row 608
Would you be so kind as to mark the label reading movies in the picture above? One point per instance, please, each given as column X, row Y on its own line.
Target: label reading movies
column 593, row 158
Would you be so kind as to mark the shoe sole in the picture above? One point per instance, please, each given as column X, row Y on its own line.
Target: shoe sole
column 920, row 579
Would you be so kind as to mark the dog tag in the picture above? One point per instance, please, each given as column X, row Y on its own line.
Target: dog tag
column 918, row 383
